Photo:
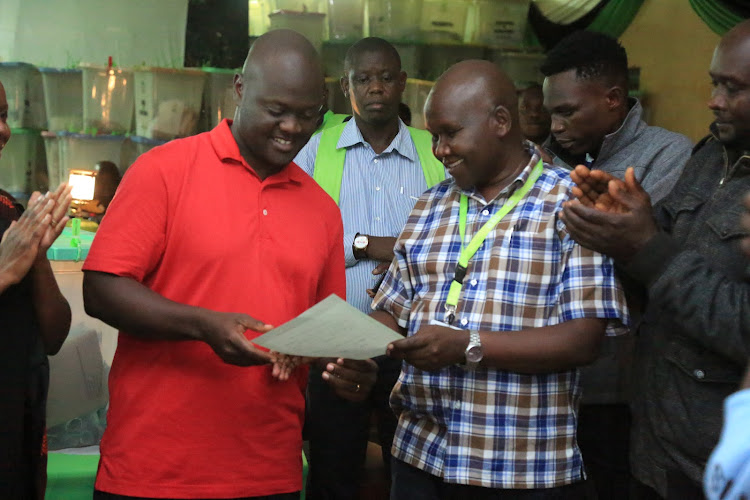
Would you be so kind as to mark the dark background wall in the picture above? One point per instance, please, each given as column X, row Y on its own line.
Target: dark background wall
column 217, row 33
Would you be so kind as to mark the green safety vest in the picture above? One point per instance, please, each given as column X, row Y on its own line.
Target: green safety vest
column 331, row 119
column 329, row 161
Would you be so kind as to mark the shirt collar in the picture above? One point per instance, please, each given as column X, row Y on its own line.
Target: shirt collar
column 401, row 144
column 227, row 150
column 519, row 181
column 623, row 136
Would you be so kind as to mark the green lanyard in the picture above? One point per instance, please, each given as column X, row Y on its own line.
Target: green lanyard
column 468, row 252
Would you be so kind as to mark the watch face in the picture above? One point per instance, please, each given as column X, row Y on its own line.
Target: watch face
column 361, row 242
column 474, row 353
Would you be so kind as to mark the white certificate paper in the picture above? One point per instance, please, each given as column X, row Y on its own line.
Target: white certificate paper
column 331, row 328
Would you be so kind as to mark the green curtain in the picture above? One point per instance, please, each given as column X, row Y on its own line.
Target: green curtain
column 615, row 17
column 718, row 17
column 612, row 20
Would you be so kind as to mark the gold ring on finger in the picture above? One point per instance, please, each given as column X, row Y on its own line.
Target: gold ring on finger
column 357, row 388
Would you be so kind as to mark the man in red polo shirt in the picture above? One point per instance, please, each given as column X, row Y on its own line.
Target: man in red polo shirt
column 209, row 241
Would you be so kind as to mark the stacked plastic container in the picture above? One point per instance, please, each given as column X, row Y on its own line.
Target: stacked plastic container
column 63, row 99
column 310, row 24
column 25, row 94
column 501, row 24
column 415, row 97
column 444, row 21
column 218, row 97
column 84, row 151
column 346, row 20
column 168, row 102
column 395, row 20
column 108, row 99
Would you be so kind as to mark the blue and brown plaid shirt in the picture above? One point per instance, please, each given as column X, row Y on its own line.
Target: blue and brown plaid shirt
column 489, row 427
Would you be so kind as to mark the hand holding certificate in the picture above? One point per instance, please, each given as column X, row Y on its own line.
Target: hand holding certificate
column 330, row 329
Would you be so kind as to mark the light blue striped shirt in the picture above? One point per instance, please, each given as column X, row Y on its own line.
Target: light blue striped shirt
column 378, row 192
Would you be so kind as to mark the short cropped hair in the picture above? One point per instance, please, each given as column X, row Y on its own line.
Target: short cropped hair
column 592, row 55
column 370, row 44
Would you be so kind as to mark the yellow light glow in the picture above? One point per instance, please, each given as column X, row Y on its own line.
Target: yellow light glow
column 83, row 184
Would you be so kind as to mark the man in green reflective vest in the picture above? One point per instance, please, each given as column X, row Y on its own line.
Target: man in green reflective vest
column 375, row 168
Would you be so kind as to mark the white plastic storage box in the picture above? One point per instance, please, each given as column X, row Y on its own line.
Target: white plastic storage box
column 309, row 24
column 444, row 21
column 108, row 100
column 168, row 102
column 415, row 97
column 25, row 93
column 22, row 165
column 63, row 98
column 521, row 67
column 501, row 24
column 78, row 381
column 395, row 20
column 52, row 152
column 218, row 97
column 346, row 19
column 83, row 151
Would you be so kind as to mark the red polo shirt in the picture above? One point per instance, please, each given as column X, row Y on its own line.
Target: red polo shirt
column 193, row 222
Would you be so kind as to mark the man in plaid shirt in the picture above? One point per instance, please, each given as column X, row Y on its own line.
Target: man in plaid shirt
column 487, row 406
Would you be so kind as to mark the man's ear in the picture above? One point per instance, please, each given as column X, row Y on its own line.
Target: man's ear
column 344, row 82
column 615, row 97
column 502, row 120
column 237, row 87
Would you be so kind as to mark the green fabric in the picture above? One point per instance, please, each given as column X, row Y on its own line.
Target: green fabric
column 719, row 18
column 71, row 477
column 329, row 161
column 331, row 119
column 612, row 20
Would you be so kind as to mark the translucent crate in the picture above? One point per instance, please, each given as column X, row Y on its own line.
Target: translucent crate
column 218, row 97
column 168, row 102
column 501, row 24
column 309, row 24
column 108, row 99
column 52, row 152
column 84, row 151
column 25, row 94
column 444, row 21
column 521, row 67
column 22, row 163
column 415, row 97
column 346, row 20
column 395, row 20
column 63, row 98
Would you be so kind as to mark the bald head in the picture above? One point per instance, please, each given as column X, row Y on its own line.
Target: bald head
column 280, row 93
column 472, row 113
column 283, row 50
column 730, row 75
column 478, row 83
column 739, row 35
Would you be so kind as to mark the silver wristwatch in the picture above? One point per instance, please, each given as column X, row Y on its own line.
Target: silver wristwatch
column 473, row 351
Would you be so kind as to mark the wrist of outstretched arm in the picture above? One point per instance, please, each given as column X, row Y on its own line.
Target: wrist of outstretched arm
column 652, row 259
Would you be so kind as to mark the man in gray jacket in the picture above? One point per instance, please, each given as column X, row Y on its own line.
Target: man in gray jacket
column 595, row 123
column 694, row 338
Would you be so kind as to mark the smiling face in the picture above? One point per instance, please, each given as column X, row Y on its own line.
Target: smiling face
column 279, row 108
column 730, row 98
column 583, row 111
column 462, row 137
column 374, row 84
column 4, row 128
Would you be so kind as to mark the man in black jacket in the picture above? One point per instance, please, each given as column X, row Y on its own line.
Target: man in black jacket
column 694, row 338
